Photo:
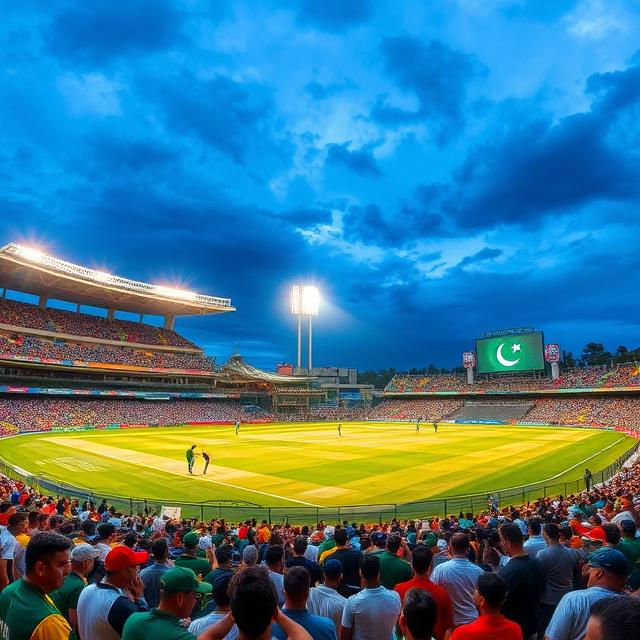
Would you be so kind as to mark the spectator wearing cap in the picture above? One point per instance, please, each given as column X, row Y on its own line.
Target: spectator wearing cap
column 190, row 559
column 459, row 576
column 298, row 559
column 222, row 601
column 324, row 599
column 350, row 561
column 372, row 613
column 613, row 618
column 249, row 557
column 296, row 591
column 394, row 569
column 83, row 557
column 152, row 574
column 490, row 594
column 103, row 608
column 179, row 591
column 224, row 560
column 525, row 580
column 420, row 563
column 26, row 610
column 607, row 572
column 630, row 546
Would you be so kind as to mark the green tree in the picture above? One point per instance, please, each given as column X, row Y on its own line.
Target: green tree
column 594, row 353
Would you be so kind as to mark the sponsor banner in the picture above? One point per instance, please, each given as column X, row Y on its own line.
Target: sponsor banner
column 84, row 427
column 480, row 422
column 116, row 393
column 537, row 392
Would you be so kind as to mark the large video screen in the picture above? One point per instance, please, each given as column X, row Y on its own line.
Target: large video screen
column 510, row 353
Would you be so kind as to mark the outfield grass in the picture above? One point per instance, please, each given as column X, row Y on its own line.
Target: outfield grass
column 309, row 465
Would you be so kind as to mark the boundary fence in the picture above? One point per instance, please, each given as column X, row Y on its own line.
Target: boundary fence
column 237, row 510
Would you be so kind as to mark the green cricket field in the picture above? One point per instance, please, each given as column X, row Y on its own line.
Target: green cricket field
column 311, row 465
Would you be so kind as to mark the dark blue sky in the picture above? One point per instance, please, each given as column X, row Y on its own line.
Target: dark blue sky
column 439, row 169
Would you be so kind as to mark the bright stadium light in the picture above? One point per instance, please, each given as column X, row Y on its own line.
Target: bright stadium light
column 31, row 254
column 305, row 301
column 91, row 275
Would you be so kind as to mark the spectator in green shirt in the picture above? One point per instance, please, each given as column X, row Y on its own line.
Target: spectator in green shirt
column 190, row 559
column 26, row 610
column 393, row 569
column 66, row 597
column 180, row 588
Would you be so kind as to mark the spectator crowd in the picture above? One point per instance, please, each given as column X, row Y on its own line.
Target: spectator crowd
column 29, row 414
column 86, row 352
column 22, row 314
column 559, row 568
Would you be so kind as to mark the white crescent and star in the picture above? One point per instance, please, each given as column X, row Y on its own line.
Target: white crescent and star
column 502, row 360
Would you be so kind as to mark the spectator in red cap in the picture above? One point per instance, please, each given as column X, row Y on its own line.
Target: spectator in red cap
column 103, row 608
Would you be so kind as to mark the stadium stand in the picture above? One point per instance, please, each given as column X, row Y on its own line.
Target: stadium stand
column 414, row 408
column 29, row 414
column 508, row 411
column 32, row 347
column 627, row 375
column 25, row 315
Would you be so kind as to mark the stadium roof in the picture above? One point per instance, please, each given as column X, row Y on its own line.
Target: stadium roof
column 31, row 271
column 236, row 369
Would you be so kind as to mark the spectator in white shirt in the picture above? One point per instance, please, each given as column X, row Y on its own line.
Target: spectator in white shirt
column 371, row 614
column 324, row 600
column 459, row 577
column 535, row 542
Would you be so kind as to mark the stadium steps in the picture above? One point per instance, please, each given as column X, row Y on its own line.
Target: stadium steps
column 490, row 411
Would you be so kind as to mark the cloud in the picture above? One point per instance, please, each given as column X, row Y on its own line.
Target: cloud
column 367, row 224
column 237, row 119
column 325, row 91
column 436, row 75
column 95, row 33
column 481, row 256
column 303, row 218
column 361, row 161
column 334, row 16
column 533, row 168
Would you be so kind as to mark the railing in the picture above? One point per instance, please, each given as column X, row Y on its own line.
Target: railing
column 239, row 510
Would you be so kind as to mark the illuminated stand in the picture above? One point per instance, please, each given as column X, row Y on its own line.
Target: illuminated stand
column 305, row 301
column 552, row 356
column 469, row 362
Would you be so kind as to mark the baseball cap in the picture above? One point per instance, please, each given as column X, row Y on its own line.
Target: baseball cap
column 205, row 542
column 122, row 557
column 250, row 554
column 628, row 525
column 328, row 532
column 191, row 539
column 83, row 552
column 183, row 580
column 442, row 544
column 431, row 540
column 610, row 560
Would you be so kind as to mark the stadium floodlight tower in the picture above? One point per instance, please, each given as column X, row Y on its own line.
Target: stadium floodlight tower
column 305, row 301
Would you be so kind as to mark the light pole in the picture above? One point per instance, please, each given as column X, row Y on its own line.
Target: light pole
column 305, row 301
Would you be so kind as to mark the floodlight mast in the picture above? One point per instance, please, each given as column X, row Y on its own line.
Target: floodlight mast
column 305, row 302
